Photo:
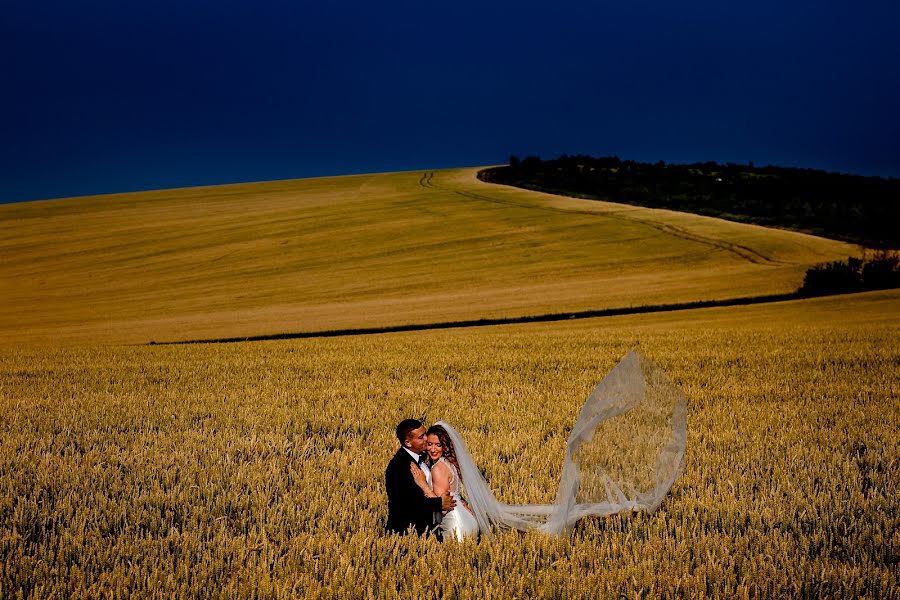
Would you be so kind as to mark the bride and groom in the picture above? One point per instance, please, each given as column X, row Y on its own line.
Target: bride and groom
column 424, row 486
column 623, row 454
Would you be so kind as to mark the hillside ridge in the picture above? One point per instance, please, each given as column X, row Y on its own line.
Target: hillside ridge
column 362, row 252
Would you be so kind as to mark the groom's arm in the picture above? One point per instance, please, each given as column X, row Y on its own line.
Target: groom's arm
column 431, row 506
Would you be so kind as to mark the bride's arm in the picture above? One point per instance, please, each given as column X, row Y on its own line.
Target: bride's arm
column 440, row 479
column 421, row 480
column 447, row 501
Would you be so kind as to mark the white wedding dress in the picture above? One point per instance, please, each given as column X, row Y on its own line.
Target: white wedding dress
column 623, row 454
column 459, row 523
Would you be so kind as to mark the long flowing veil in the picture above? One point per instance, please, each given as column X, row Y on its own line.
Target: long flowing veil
column 623, row 454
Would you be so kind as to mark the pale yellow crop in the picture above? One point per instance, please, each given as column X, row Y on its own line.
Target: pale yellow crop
column 362, row 251
column 256, row 469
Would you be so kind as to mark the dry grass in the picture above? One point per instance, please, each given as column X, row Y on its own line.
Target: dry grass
column 361, row 251
column 257, row 469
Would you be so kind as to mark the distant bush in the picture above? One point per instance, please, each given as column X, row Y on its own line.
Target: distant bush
column 882, row 271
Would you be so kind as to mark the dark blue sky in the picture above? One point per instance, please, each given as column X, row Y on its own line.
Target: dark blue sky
column 105, row 96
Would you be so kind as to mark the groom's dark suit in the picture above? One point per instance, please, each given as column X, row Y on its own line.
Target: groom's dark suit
column 407, row 503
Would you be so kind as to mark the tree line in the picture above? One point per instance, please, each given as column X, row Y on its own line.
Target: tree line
column 877, row 272
column 854, row 208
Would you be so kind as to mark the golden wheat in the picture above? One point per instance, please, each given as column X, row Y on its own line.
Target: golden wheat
column 256, row 470
column 362, row 251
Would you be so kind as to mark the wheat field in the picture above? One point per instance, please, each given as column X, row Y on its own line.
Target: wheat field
column 362, row 251
column 256, row 469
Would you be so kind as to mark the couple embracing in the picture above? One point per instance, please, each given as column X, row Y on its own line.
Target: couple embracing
column 424, row 486
column 623, row 454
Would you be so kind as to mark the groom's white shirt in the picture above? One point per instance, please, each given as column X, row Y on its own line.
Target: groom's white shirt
column 436, row 515
column 423, row 465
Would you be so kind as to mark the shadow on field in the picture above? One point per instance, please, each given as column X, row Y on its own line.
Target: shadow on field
column 586, row 314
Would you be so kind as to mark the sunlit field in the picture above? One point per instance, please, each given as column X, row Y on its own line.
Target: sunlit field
column 256, row 469
column 362, row 251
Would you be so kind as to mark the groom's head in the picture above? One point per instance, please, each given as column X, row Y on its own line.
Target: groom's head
column 411, row 434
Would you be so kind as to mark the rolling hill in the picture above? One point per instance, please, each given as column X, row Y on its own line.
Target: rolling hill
column 362, row 251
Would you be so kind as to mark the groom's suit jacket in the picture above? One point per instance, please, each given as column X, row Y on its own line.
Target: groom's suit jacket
column 407, row 503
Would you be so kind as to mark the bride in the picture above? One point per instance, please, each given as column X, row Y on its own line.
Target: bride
column 458, row 522
column 623, row 454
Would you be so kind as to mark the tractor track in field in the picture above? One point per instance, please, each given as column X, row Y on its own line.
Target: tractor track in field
column 739, row 250
column 425, row 180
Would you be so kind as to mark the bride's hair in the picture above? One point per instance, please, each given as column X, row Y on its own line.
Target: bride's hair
column 449, row 450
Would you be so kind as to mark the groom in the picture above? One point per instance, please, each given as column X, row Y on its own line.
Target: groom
column 407, row 503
